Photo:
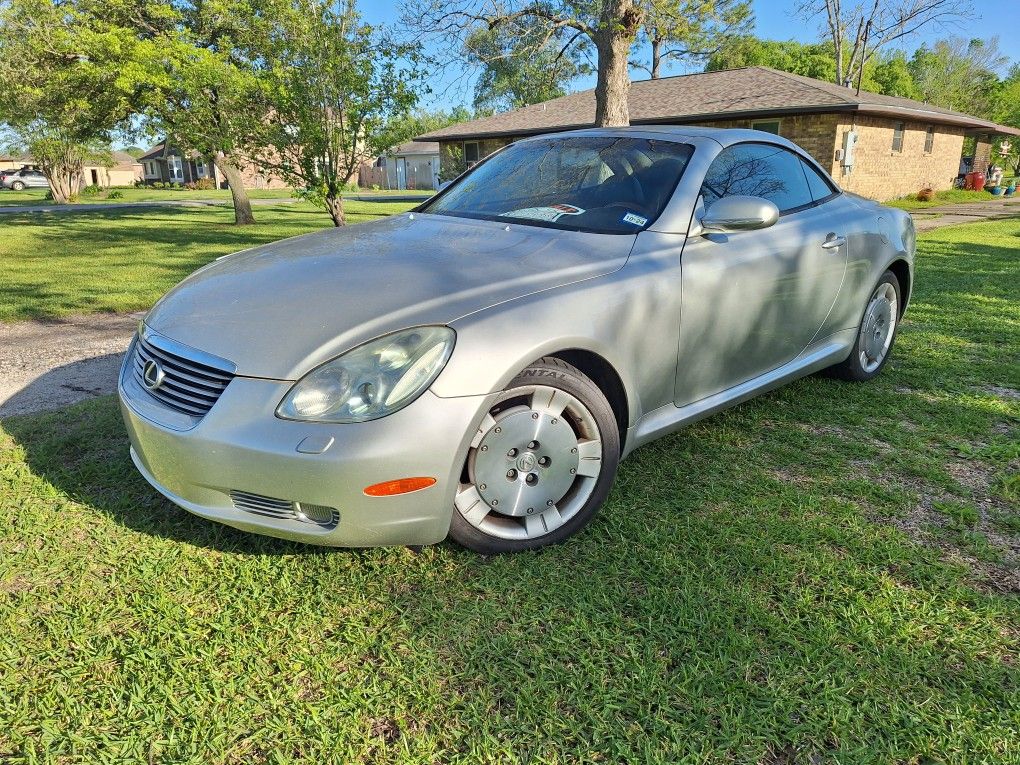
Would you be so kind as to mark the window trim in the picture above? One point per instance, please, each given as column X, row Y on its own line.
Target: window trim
column 778, row 122
column 900, row 132
column 478, row 151
column 836, row 190
column 929, row 139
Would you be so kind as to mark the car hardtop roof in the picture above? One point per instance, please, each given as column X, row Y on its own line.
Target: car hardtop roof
column 680, row 133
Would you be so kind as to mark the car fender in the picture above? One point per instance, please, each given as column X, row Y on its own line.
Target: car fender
column 630, row 318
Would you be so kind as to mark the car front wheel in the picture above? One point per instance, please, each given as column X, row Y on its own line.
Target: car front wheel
column 18, row 186
column 876, row 334
column 541, row 463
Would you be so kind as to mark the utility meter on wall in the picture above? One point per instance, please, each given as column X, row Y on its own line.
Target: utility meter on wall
column 847, row 153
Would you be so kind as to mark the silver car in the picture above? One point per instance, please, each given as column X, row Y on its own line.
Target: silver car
column 25, row 178
column 478, row 367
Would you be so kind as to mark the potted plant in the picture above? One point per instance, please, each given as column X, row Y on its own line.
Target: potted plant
column 1010, row 187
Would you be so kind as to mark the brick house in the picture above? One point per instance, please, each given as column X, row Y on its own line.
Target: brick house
column 165, row 163
column 877, row 146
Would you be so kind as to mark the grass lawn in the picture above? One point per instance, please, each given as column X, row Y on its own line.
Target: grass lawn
column 952, row 196
column 10, row 198
column 123, row 260
column 38, row 196
column 827, row 574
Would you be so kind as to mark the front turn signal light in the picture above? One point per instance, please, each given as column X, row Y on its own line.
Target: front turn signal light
column 399, row 486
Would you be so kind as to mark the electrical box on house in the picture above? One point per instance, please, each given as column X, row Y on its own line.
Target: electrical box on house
column 846, row 158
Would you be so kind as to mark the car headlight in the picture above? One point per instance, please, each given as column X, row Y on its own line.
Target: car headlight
column 371, row 381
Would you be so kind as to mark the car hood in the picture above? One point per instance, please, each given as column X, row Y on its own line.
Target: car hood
column 278, row 310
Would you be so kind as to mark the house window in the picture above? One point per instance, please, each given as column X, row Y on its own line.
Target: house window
column 929, row 140
column 176, row 167
column 897, row 137
column 200, row 168
column 767, row 126
column 471, row 152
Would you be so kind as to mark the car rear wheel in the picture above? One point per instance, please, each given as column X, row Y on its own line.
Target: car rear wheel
column 541, row 463
column 18, row 186
column 876, row 334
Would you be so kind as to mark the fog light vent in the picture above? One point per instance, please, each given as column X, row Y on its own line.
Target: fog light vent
column 315, row 513
column 285, row 509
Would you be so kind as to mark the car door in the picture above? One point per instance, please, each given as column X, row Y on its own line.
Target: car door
column 35, row 179
column 753, row 300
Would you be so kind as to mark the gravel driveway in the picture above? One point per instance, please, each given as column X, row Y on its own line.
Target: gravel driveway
column 50, row 364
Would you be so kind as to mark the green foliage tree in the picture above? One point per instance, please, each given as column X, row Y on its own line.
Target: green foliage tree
column 335, row 83
column 401, row 128
column 201, row 80
column 524, row 64
column 890, row 74
column 809, row 59
column 1007, row 112
column 858, row 29
column 690, row 29
column 62, row 93
column 959, row 74
column 610, row 27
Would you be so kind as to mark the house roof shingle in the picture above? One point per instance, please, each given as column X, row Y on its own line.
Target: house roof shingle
column 731, row 93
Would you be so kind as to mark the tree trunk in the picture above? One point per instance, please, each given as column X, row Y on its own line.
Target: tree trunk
column 335, row 208
column 243, row 215
column 656, row 57
column 618, row 27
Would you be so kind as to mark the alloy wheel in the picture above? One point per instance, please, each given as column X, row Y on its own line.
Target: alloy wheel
column 878, row 327
column 533, row 464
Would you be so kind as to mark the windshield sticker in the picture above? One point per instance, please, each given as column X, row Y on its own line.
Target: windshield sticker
column 550, row 213
column 637, row 220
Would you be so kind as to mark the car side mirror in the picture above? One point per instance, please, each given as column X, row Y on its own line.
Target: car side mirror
column 739, row 213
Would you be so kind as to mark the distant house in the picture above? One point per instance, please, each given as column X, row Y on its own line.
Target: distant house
column 413, row 166
column 877, row 146
column 165, row 163
column 124, row 171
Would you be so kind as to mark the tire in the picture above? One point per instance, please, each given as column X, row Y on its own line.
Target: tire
column 17, row 186
column 541, row 464
column 879, row 324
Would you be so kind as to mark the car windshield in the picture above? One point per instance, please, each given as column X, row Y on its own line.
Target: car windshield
column 604, row 184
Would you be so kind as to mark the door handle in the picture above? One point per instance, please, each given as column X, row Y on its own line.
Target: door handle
column 833, row 242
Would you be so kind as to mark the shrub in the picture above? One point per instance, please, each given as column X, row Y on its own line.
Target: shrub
column 90, row 191
column 115, row 194
column 204, row 184
column 190, row 186
column 925, row 195
column 376, row 187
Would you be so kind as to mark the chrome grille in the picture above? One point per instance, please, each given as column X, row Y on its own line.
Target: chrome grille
column 188, row 385
column 284, row 509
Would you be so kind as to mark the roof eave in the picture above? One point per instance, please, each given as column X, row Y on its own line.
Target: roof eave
column 916, row 115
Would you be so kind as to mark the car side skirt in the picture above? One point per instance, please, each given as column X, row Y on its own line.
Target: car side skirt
column 666, row 419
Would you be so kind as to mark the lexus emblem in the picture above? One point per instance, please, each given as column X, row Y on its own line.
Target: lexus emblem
column 152, row 375
column 526, row 462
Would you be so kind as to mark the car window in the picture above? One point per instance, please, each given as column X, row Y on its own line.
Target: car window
column 758, row 170
column 819, row 185
column 605, row 184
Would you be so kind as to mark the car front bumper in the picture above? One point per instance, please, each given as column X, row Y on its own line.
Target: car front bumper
column 241, row 446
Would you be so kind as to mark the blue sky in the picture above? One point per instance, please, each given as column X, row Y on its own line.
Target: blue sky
column 775, row 19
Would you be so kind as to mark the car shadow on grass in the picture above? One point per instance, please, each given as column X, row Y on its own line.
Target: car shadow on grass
column 83, row 451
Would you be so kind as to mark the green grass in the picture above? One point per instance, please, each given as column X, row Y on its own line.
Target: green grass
column 952, row 196
column 123, row 260
column 10, row 198
column 772, row 585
